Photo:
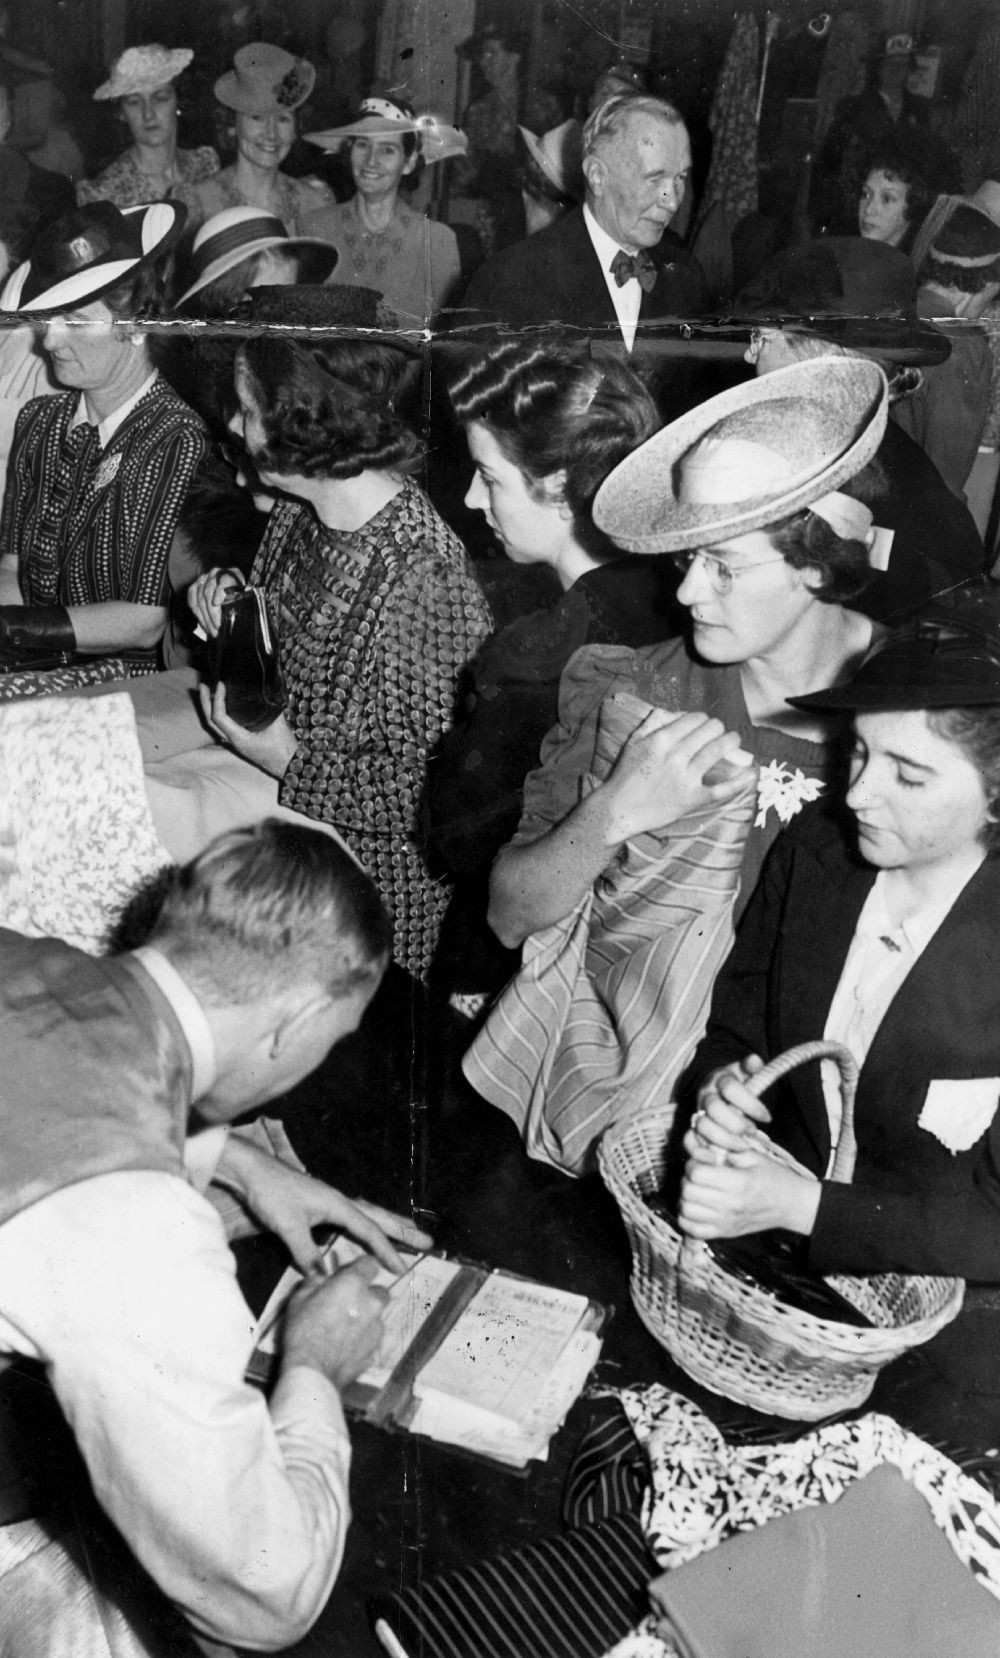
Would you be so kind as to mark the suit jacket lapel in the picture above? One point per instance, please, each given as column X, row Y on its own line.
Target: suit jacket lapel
column 594, row 299
column 831, row 890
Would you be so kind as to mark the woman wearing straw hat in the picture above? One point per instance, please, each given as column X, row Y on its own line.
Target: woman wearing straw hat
column 97, row 474
column 749, row 492
column 411, row 260
column 141, row 84
column 878, row 929
column 243, row 248
column 552, row 175
column 264, row 88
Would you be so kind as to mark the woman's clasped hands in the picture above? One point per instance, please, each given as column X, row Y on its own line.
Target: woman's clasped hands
column 733, row 1184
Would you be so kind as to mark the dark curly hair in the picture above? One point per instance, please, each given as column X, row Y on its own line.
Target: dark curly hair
column 552, row 407
column 901, row 168
column 328, row 409
column 807, row 541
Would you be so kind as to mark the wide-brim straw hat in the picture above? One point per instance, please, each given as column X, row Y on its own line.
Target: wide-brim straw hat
column 143, row 69
column 238, row 233
column 382, row 118
column 642, row 505
column 849, row 291
column 559, row 155
column 264, row 80
column 88, row 252
column 947, row 657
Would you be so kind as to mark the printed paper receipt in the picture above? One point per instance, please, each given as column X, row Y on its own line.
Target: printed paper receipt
column 504, row 1346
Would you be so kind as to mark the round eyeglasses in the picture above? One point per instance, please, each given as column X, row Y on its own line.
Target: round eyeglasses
column 721, row 575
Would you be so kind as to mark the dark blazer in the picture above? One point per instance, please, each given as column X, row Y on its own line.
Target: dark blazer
column 913, row 1205
column 555, row 276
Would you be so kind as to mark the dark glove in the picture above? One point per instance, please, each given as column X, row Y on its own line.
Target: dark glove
column 35, row 636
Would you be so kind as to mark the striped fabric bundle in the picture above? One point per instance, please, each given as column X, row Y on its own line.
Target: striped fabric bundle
column 609, row 1003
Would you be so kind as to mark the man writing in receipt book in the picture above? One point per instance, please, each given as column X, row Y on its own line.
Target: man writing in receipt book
column 114, row 1269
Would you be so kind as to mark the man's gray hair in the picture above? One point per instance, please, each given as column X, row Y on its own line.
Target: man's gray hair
column 608, row 119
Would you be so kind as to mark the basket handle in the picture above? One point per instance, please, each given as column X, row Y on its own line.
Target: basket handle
column 846, row 1150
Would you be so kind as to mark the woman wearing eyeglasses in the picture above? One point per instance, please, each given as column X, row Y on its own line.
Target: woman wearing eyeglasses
column 750, row 493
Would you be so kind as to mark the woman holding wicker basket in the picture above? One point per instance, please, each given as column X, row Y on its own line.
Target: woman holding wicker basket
column 878, row 930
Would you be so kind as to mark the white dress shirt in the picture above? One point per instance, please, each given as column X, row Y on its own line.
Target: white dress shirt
column 124, row 1287
column 880, row 957
column 626, row 298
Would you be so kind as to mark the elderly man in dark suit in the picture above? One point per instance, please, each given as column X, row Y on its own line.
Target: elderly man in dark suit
column 612, row 264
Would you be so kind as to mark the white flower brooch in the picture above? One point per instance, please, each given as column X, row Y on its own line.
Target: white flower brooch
column 786, row 791
column 107, row 471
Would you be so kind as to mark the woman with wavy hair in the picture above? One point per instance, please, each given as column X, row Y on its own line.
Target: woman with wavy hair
column 545, row 424
column 370, row 594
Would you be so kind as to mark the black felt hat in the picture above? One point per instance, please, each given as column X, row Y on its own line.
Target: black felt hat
column 87, row 252
column 850, row 291
column 326, row 310
column 946, row 657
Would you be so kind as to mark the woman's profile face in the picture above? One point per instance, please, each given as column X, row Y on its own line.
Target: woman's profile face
column 378, row 164
column 745, row 600
column 265, row 140
column 919, row 801
column 883, row 208
column 246, row 423
column 151, row 117
column 526, row 527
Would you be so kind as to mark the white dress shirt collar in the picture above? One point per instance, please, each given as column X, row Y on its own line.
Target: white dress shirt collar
column 626, row 297
column 107, row 427
column 190, row 1016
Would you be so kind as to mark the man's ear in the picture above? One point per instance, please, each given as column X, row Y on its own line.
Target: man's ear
column 593, row 172
column 291, row 1021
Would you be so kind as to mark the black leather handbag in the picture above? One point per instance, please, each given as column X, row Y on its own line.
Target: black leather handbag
column 244, row 659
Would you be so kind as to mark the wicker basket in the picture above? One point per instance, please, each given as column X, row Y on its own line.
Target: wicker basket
column 735, row 1338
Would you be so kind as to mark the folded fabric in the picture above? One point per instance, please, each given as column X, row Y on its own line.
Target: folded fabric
column 704, row 1490
column 610, row 1002
column 870, row 1575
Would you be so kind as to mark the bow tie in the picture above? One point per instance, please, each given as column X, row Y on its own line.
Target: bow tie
column 640, row 265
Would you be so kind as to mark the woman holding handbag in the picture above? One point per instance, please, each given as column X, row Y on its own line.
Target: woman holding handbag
column 370, row 596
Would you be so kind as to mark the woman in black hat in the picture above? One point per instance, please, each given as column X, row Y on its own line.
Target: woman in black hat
column 876, row 928
column 370, row 594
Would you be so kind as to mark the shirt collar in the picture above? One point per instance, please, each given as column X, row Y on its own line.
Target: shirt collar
column 605, row 246
column 917, row 930
column 107, row 427
column 189, row 1013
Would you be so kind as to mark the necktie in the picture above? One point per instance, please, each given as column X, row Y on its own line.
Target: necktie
column 640, row 265
column 84, row 447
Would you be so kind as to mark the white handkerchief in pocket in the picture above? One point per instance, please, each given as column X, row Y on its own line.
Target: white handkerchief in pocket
column 957, row 1112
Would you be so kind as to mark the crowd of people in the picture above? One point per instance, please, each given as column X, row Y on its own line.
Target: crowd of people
column 708, row 767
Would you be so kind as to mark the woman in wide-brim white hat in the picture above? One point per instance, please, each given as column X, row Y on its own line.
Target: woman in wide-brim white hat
column 384, row 244
column 748, row 492
column 141, row 84
column 262, row 93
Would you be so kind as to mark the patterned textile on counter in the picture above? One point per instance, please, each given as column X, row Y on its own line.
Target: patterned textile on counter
column 611, row 1001
column 732, row 177
column 127, row 186
column 374, row 627
column 703, row 1490
column 76, row 824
